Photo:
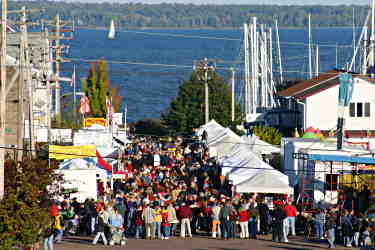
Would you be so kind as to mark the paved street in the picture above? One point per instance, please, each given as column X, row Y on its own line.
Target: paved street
column 196, row 243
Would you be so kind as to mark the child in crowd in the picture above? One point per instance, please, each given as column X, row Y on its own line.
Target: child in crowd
column 165, row 224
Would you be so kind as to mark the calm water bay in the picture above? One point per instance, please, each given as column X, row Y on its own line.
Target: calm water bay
column 148, row 89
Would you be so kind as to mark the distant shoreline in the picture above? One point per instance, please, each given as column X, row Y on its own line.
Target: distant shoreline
column 205, row 28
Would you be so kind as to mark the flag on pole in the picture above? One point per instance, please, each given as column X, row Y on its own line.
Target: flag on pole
column 84, row 107
column 109, row 107
column 126, row 108
column 73, row 81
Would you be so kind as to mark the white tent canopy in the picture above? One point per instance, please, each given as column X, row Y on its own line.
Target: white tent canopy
column 239, row 164
column 264, row 183
column 258, row 146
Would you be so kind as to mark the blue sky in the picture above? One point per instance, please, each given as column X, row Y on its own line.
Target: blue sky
column 279, row 2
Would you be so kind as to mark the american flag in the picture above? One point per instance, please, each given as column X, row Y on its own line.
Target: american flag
column 85, row 105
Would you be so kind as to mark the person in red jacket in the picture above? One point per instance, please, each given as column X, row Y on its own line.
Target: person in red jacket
column 244, row 218
column 185, row 213
column 291, row 213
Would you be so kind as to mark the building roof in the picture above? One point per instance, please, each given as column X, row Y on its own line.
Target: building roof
column 310, row 87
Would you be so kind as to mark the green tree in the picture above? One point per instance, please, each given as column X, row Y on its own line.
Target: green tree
column 24, row 210
column 187, row 110
column 96, row 87
column 268, row 134
column 150, row 127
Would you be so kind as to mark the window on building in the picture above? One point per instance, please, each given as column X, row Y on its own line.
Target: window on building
column 352, row 109
column 332, row 182
column 367, row 109
column 359, row 109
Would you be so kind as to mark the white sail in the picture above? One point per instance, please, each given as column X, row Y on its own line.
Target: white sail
column 111, row 33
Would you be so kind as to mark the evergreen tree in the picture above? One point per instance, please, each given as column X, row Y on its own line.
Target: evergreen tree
column 187, row 110
column 96, row 86
column 24, row 210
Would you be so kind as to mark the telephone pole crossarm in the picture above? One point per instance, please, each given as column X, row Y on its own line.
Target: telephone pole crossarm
column 206, row 66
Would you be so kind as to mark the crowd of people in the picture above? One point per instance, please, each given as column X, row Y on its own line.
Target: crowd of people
column 173, row 189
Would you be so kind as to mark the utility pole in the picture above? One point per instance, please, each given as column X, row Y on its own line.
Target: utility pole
column 29, row 82
column 206, row 66
column 59, row 31
column 57, row 70
column 4, row 16
column 26, row 82
column 233, row 92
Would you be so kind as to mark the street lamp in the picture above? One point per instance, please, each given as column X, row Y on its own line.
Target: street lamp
column 206, row 66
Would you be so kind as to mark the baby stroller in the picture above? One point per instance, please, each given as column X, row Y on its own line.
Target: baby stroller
column 117, row 236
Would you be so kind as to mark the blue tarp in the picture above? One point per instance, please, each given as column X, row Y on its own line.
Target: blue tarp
column 341, row 158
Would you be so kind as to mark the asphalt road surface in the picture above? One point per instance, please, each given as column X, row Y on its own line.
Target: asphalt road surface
column 196, row 243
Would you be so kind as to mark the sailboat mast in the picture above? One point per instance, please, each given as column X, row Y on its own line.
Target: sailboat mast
column 365, row 40
column 354, row 56
column 246, row 67
column 255, row 65
column 310, row 59
column 372, row 37
column 317, row 61
column 279, row 52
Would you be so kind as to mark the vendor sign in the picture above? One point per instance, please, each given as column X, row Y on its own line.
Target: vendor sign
column 88, row 122
column 71, row 152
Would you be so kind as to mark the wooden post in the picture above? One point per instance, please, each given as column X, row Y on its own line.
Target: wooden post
column 2, row 92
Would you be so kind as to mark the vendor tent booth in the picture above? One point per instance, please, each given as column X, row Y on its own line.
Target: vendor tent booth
column 243, row 167
column 241, row 164
column 264, row 183
column 82, row 175
column 258, row 146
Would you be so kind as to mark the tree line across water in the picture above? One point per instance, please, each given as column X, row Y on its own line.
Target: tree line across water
column 136, row 15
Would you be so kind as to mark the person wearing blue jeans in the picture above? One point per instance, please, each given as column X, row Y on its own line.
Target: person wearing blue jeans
column 253, row 223
column 331, row 237
column 139, row 232
column 224, row 224
column 319, row 223
column 166, row 231
column 48, row 242
column 157, row 227
column 231, row 228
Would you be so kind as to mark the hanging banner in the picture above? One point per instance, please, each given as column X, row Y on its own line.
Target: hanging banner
column 71, row 152
column 88, row 122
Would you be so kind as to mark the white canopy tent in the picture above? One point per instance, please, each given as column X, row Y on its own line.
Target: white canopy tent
column 264, row 183
column 241, row 165
column 258, row 146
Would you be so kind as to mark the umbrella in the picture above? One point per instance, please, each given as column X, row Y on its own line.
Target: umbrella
column 310, row 136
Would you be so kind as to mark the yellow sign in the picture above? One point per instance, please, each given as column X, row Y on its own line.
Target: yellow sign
column 88, row 122
column 70, row 152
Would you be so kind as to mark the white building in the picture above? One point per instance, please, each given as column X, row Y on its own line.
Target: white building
column 317, row 99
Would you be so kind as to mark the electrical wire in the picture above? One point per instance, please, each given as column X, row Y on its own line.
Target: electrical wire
column 227, row 39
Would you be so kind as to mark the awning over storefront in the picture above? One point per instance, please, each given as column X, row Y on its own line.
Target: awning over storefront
column 341, row 158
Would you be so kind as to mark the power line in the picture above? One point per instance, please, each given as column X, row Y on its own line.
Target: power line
column 228, row 39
